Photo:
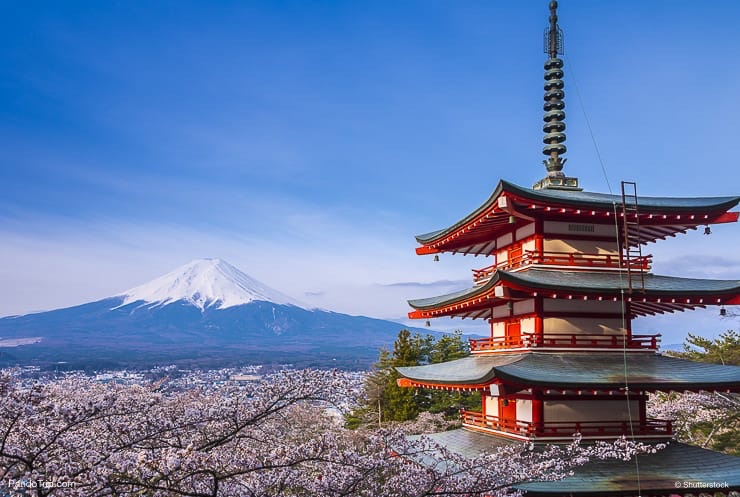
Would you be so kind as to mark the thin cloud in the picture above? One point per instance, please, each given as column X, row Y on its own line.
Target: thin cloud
column 706, row 262
column 430, row 284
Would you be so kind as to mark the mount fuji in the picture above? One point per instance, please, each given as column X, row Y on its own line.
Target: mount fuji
column 206, row 313
column 205, row 283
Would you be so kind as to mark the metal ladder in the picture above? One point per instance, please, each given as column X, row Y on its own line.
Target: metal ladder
column 631, row 246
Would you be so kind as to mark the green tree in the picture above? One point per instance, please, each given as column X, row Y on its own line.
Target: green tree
column 385, row 401
column 722, row 350
column 709, row 420
column 401, row 404
column 449, row 348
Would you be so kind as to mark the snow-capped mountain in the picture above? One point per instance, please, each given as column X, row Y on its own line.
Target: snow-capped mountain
column 205, row 283
column 206, row 313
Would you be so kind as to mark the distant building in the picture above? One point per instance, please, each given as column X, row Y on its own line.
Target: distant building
column 245, row 377
column 567, row 279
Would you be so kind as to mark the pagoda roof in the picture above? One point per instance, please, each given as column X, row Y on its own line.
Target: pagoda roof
column 594, row 199
column 576, row 371
column 659, row 472
column 661, row 293
column 660, row 216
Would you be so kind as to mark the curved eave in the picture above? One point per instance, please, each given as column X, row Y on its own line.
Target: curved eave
column 574, row 371
column 471, row 370
column 661, row 293
column 660, row 216
column 480, row 212
column 484, row 291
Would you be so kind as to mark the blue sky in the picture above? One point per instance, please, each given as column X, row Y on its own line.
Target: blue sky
column 307, row 142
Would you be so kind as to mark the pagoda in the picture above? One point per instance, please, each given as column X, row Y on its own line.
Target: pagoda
column 568, row 276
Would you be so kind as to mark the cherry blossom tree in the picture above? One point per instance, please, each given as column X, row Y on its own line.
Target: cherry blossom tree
column 76, row 437
column 706, row 419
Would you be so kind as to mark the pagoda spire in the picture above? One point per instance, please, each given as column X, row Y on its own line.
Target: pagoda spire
column 554, row 126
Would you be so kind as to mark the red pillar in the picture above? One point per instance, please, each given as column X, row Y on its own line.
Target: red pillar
column 537, row 411
column 539, row 322
column 539, row 246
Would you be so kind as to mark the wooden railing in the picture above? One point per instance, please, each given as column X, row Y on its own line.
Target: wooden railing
column 582, row 340
column 570, row 259
column 566, row 429
column 477, row 419
column 649, row 427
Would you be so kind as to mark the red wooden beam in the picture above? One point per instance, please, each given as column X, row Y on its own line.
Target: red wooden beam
column 408, row 383
column 426, row 250
column 727, row 217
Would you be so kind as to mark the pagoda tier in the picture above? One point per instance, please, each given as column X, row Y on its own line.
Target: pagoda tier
column 546, row 396
column 537, row 291
column 551, row 309
column 511, row 207
column 592, row 373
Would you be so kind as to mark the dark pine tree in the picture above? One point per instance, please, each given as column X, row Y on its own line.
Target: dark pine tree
column 386, row 401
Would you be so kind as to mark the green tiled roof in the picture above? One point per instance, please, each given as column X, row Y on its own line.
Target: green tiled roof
column 667, row 204
column 579, row 370
column 590, row 200
column 586, row 282
column 659, row 472
column 468, row 443
column 643, row 371
column 471, row 369
column 599, row 281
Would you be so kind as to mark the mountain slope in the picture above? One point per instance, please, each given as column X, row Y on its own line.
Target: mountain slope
column 207, row 313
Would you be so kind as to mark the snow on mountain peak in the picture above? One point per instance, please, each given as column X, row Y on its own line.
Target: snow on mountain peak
column 205, row 283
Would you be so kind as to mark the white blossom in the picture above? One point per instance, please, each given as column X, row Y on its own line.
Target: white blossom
column 272, row 438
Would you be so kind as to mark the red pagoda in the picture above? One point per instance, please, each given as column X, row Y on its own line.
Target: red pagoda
column 568, row 276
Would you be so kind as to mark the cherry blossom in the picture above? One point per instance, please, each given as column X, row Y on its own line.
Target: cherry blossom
column 76, row 437
column 689, row 409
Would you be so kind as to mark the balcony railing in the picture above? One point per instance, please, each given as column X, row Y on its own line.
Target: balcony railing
column 566, row 429
column 478, row 420
column 581, row 340
column 570, row 259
